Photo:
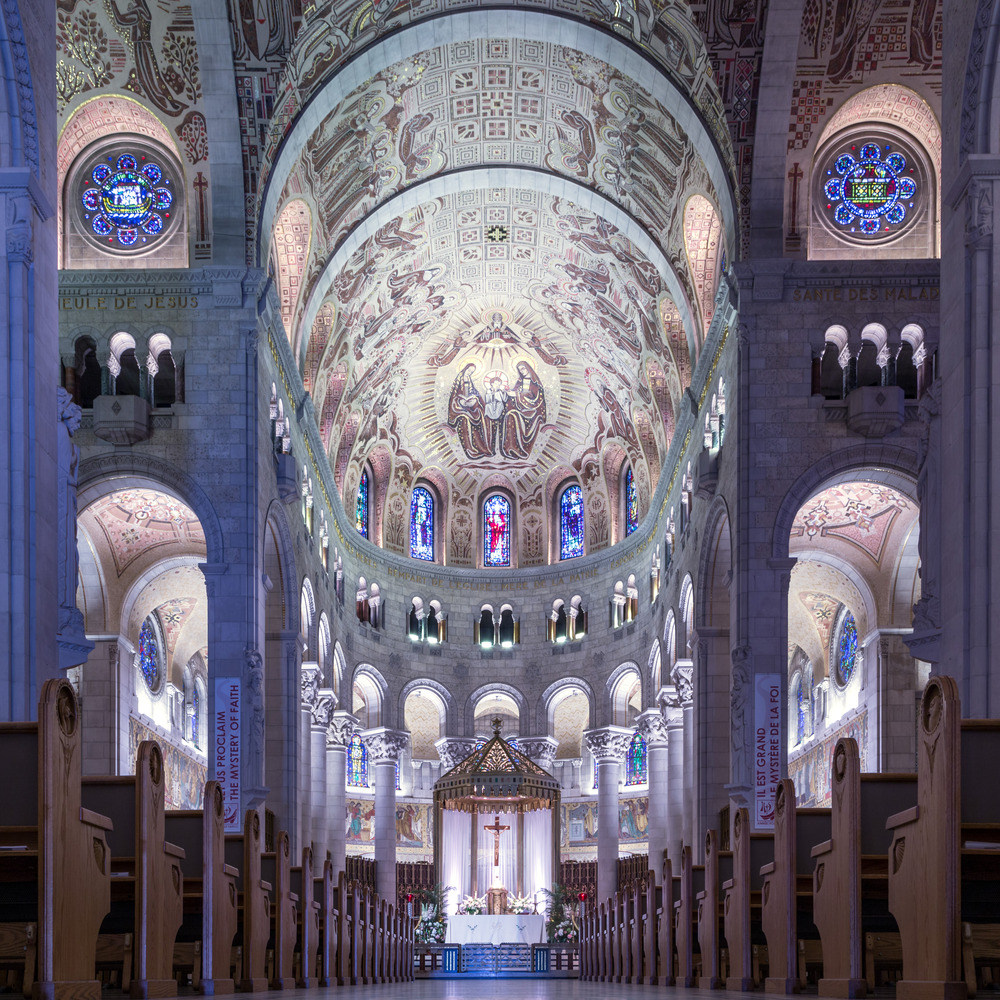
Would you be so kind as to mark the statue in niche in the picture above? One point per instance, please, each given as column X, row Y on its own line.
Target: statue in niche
column 70, row 416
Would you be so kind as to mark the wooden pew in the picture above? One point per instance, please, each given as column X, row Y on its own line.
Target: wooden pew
column 692, row 879
column 324, row 892
column 718, row 868
column 936, row 878
column 980, row 951
column 304, row 888
column 54, row 855
column 275, row 868
column 243, row 852
column 650, row 937
column 146, row 889
column 742, row 900
column 786, row 889
column 856, row 851
column 665, row 927
column 210, row 891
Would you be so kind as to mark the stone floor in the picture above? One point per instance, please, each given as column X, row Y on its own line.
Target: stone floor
column 507, row 989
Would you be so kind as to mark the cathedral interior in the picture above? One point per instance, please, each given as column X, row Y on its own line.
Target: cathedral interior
column 379, row 370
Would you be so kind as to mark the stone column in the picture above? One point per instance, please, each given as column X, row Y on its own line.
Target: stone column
column 674, row 717
column 652, row 727
column 893, row 739
column 342, row 727
column 384, row 747
column 326, row 702
column 310, row 678
column 100, row 707
column 608, row 746
column 682, row 677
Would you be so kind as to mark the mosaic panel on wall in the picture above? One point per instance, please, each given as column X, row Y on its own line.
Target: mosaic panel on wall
column 184, row 774
column 810, row 769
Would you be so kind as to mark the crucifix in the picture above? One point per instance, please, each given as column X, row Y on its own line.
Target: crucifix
column 495, row 828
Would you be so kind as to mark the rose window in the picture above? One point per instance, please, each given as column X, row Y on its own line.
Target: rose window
column 126, row 201
column 870, row 192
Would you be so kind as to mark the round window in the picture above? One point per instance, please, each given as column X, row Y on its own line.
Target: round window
column 846, row 649
column 149, row 658
column 126, row 197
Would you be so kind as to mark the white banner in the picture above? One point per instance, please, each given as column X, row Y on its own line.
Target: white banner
column 767, row 747
column 226, row 740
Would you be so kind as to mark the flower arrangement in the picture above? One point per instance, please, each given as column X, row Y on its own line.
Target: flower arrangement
column 472, row 905
column 521, row 904
column 561, row 925
column 432, row 925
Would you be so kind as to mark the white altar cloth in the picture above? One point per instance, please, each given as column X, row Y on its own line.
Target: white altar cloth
column 505, row 928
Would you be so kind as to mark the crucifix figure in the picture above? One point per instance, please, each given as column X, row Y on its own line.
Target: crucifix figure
column 495, row 828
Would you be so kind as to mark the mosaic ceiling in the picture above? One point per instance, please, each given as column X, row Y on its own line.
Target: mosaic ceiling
column 134, row 522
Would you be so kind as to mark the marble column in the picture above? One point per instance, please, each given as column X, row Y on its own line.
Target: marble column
column 653, row 729
column 342, row 727
column 674, row 718
column 310, row 678
column 384, row 749
column 608, row 747
column 682, row 677
column 326, row 702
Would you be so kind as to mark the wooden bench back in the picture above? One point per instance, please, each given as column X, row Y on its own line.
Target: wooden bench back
column 882, row 796
column 980, row 750
column 114, row 796
column 19, row 747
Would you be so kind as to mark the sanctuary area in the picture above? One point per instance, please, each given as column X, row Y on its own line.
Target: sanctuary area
column 499, row 489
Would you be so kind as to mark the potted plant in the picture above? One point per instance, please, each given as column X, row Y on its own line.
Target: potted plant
column 432, row 925
column 561, row 924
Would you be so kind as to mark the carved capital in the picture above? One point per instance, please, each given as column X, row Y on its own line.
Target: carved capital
column 310, row 679
column 979, row 215
column 385, row 744
column 652, row 727
column 19, row 243
column 682, row 677
column 322, row 710
column 608, row 745
column 541, row 749
column 454, row 749
column 670, row 705
column 341, row 727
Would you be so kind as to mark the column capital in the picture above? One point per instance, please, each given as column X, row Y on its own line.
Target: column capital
column 669, row 701
column 385, row 745
column 682, row 677
column 609, row 744
column 540, row 749
column 341, row 728
column 323, row 708
column 454, row 749
column 310, row 679
column 652, row 727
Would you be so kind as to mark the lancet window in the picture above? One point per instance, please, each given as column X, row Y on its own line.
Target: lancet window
column 361, row 506
column 635, row 763
column 631, row 503
column 422, row 524
column 846, row 650
column 149, row 657
column 357, row 763
column 571, row 523
column 496, row 531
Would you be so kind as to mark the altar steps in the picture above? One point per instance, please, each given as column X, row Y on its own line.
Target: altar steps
column 503, row 961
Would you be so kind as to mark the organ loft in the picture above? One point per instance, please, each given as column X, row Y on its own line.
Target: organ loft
column 499, row 491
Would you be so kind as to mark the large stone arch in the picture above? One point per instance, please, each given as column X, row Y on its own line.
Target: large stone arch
column 494, row 688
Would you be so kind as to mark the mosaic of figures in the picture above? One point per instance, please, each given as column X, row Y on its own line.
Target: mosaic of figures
column 509, row 101
column 335, row 31
column 144, row 49
column 810, row 770
column 184, row 775
column 497, row 331
column 578, row 824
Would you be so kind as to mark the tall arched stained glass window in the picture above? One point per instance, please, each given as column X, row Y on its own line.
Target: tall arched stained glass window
column 496, row 531
column 422, row 524
column 149, row 660
column 357, row 763
column 631, row 503
column 635, row 765
column 847, row 648
column 195, row 712
column 361, row 506
column 801, row 707
column 571, row 523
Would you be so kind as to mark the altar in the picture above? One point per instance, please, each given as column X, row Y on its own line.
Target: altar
column 496, row 929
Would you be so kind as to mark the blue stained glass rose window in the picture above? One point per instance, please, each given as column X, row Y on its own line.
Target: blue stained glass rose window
column 149, row 660
column 496, row 531
column 871, row 190
column 631, row 504
column 571, row 523
column 847, row 648
column 126, row 201
column 361, row 506
column 422, row 524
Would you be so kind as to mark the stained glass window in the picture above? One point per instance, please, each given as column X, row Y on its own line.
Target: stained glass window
column 635, row 764
column 126, row 201
column 847, row 647
column 361, row 506
column 595, row 773
column 869, row 193
column 195, row 713
column 422, row 524
column 149, row 661
column 357, row 763
column 571, row 523
column 631, row 503
column 496, row 531
column 397, row 774
column 801, row 705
